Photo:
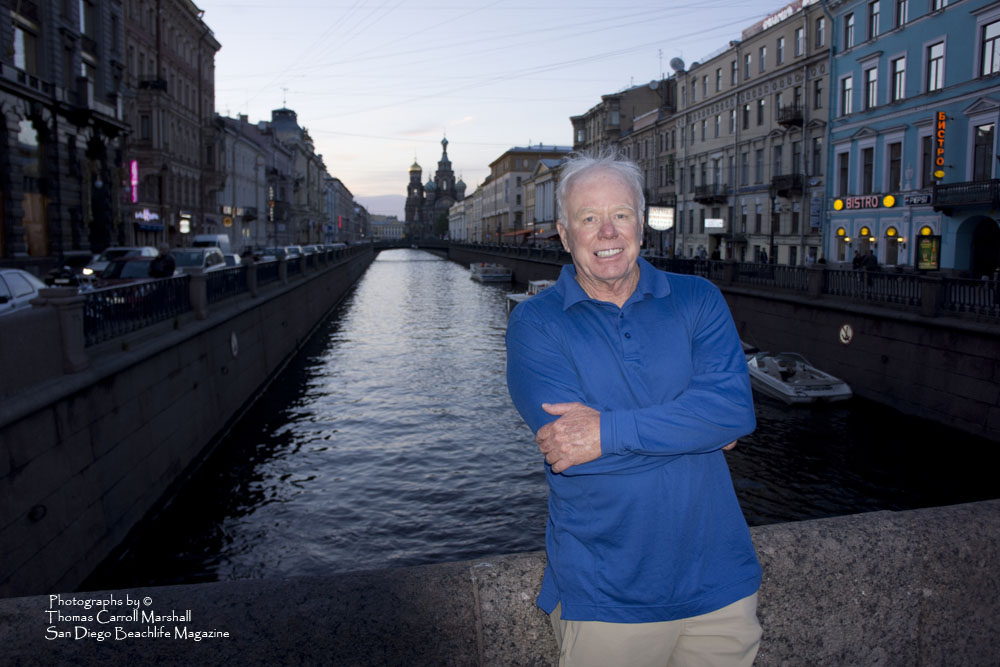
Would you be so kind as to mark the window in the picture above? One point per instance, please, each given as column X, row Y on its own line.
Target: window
column 935, row 67
column 692, row 133
column 991, row 48
column 817, row 156
column 744, row 168
column 849, row 31
column 867, row 171
column 873, row 19
column 898, row 90
column 938, row 4
column 800, row 41
column 704, row 128
column 902, row 12
column 846, row 91
column 895, row 166
column 732, row 121
column 982, row 153
column 871, row 88
column 797, row 97
column 779, row 52
column 734, row 73
column 818, row 94
column 746, row 116
column 581, row 136
column 144, row 127
column 776, row 161
column 843, row 162
column 777, row 106
column 718, row 122
column 746, row 66
column 88, row 19
column 694, row 90
column 821, row 31
column 762, row 59
column 25, row 50
column 758, row 217
column 718, row 79
column 926, row 161
column 691, row 178
column 758, row 165
column 796, row 157
column 704, row 86
column 760, row 111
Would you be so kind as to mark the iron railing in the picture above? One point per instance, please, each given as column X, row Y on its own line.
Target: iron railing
column 116, row 311
column 226, row 283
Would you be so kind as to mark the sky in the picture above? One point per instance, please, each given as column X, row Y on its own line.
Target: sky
column 378, row 83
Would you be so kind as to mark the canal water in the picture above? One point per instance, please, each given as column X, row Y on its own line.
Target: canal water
column 391, row 441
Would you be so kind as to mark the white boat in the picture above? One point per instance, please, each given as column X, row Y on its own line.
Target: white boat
column 489, row 272
column 788, row 377
column 534, row 287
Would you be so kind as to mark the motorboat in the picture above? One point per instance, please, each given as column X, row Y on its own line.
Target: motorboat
column 490, row 272
column 534, row 287
column 788, row 377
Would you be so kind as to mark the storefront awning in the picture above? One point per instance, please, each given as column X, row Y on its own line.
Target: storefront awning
column 519, row 232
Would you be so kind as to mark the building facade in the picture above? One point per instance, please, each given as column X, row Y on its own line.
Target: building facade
column 913, row 143
column 174, row 167
column 63, row 130
column 747, row 141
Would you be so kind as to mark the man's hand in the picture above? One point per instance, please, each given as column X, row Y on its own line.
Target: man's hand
column 572, row 439
column 730, row 446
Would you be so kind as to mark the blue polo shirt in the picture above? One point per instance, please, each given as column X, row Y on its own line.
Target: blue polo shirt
column 651, row 530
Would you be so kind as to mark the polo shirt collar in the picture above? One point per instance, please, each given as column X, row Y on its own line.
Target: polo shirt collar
column 652, row 281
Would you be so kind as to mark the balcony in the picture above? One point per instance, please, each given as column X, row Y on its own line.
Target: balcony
column 969, row 193
column 786, row 185
column 713, row 193
column 791, row 115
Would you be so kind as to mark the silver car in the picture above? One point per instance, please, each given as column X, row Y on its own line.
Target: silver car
column 17, row 289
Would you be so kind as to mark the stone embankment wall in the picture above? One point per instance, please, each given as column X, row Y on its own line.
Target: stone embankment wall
column 85, row 455
column 906, row 589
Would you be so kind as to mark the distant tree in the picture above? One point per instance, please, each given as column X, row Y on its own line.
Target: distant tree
column 441, row 225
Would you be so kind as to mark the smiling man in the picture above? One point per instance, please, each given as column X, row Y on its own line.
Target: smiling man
column 634, row 382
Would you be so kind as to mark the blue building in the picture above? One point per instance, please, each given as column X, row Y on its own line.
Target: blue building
column 912, row 161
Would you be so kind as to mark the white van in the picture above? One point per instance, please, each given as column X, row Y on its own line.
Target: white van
column 220, row 241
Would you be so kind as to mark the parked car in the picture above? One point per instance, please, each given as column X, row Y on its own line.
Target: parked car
column 311, row 249
column 270, row 254
column 17, row 289
column 232, row 259
column 293, row 251
column 126, row 270
column 100, row 262
column 207, row 259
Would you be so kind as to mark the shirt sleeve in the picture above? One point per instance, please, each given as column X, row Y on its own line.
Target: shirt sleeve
column 713, row 410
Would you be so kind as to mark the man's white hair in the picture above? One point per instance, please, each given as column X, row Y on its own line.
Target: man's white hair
column 582, row 163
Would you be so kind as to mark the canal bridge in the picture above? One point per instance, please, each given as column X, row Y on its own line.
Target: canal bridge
column 109, row 399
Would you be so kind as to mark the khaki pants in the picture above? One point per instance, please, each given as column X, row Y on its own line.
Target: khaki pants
column 728, row 637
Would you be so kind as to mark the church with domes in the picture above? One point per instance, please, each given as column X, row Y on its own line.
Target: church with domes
column 427, row 204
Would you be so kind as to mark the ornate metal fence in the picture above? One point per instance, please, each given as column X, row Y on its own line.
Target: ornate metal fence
column 115, row 311
column 227, row 283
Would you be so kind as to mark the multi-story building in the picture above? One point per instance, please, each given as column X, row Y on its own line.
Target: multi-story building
column 307, row 214
column 242, row 202
column 387, row 227
column 503, row 207
column 604, row 124
column 62, row 155
column 170, row 107
column 540, row 198
column 348, row 220
column 747, row 142
column 913, row 154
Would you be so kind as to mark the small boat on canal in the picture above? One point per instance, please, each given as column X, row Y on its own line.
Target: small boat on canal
column 534, row 287
column 490, row 272
column 788, row 377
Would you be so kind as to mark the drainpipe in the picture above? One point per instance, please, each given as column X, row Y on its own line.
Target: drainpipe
column 830, row 115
